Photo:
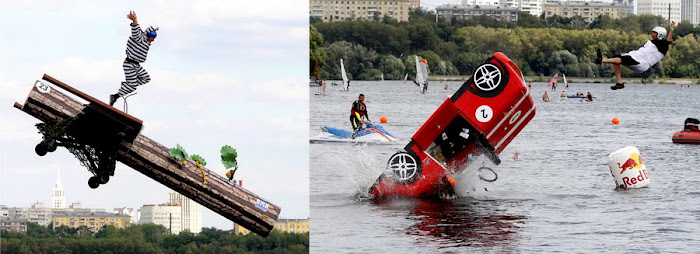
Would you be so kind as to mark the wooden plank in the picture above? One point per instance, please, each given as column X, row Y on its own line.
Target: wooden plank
column 153, row 160
column 145, row 155
column 91, row 99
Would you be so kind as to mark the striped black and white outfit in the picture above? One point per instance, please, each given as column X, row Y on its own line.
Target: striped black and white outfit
column 136, row 51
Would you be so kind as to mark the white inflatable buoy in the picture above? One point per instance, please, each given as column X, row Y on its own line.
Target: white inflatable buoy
column 628, row 169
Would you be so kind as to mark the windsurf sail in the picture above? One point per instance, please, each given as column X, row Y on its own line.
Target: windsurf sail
column 421, row 71
column 405, row 78
column 566, row 83
column 554, row 80
column 345, row 76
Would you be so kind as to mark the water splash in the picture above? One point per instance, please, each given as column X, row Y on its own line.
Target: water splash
column 363, row 170
column 468, row 183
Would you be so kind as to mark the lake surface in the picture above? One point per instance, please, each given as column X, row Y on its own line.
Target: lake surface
column 558, row 196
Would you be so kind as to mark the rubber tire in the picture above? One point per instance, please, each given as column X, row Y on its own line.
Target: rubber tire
column 41, row 149
column 103, row 178
column 505, row 77
column 415, row 176
column 52, row 144
column 93, row 182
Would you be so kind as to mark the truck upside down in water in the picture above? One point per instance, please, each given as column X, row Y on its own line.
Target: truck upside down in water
column 481, row 118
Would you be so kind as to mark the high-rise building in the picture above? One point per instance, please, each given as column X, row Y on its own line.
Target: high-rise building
column 690, row 11
column 660, row 8
column 191, row 212
column 168, row 215
column 58, row 200
column 414, row 4
column 533, row 7
column 328, row 11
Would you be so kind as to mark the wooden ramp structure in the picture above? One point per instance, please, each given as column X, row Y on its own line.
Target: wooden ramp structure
column 152, row 159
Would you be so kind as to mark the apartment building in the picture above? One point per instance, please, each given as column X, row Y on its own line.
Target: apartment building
column 447, row 12
column 589, row 11
column 94, row 221
column 329, row 11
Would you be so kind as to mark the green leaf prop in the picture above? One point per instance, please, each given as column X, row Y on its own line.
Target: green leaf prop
column 199, row 159
column 179, row 153
column 228, row 156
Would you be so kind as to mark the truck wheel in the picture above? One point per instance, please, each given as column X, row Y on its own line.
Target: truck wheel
column 104, row 178
column 51, row 144
column 489, row 79
column 405, row 167
column 41, row 149
column 93, row 182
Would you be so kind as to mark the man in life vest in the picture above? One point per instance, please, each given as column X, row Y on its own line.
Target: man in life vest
column 358, row 113
column 642, row 59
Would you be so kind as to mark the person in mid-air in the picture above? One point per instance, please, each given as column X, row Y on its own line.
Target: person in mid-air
column 642, row 59
column 358, row 113
column 136, row 51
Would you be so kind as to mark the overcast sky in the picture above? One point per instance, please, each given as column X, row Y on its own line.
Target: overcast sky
column 223, row 72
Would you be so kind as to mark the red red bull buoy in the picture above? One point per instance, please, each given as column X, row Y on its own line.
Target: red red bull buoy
column 628, row 169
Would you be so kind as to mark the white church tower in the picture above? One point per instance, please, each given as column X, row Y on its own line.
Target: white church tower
column 59, row 199
column 191, row 212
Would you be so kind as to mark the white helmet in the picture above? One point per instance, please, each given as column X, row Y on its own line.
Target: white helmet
column 660, row 31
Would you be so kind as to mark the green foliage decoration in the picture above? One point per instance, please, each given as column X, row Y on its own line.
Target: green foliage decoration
column 228, row 156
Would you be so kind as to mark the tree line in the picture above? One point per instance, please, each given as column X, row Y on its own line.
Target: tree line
column 147, row 238
column 538, row 45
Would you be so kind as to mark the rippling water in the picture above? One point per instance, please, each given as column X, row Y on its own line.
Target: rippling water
column 559, row 195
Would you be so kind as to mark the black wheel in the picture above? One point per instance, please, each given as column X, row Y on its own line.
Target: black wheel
column 405, row 167
column 51, row 145
column 104, row 178
column 489, row 79
column 41, row 149
column 93, row 182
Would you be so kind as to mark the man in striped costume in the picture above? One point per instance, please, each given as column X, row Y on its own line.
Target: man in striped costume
column 136, row 51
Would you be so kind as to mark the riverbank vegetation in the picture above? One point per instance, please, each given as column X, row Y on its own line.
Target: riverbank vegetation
column 538, row 46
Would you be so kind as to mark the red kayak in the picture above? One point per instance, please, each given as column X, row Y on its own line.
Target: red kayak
column 690, row 133
column 481, row 118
